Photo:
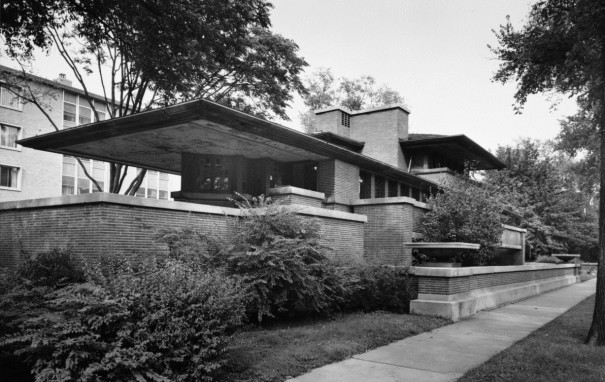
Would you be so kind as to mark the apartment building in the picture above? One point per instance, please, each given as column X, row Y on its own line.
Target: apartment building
column 30, row 174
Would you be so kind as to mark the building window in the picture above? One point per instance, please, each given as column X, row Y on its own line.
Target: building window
column 365, row 185
column 9, row 177
column 154, row 185
column 393, row 185
column 416, row 194
column 74, row 180
column 345, row 119
column 77, row 110
column 405, row 190
column 9, row 135
column 379, row 187
column 9, row 99
column 214, row 175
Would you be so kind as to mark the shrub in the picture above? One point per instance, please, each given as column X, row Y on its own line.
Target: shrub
column 156, row 321
column 548, row 259
column 465, row 212
column 275, row 252
column 54, row 268
column 378, row 287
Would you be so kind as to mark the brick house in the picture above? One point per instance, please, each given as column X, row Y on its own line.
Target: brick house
column 361, row 174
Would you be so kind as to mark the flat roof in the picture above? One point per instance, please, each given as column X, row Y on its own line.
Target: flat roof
column 364, row 111
column 155, row 139
column 458, row 147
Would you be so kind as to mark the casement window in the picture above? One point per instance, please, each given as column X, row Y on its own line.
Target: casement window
column 77, row 110
column 154, row 185
column 75, row 181
column 214, row 175
column 405, row 190
column 10, row 177
column 9, row 135
column 379, row 187
column 392, row 188
column 9, row 99
column 365, row 185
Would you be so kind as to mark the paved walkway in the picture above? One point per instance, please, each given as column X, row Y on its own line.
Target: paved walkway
column 445, row 354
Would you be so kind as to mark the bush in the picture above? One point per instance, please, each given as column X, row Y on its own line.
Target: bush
column 465, row 212
column 55, row 268
column 156, row 321
column 548, row 259
column 275, row 252
column 378, row 287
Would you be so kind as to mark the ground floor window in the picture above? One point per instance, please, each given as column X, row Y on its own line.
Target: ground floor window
column 9, row 177
column 154, row 185
column 365, row 185
column 74, row 180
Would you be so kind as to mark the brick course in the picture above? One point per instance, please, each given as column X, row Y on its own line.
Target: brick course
column 104, row 227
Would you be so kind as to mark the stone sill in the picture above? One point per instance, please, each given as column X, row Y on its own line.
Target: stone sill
column 103, row 197
column 289, row 190
column 441, row 245
column 392, row 200
column 469, row 271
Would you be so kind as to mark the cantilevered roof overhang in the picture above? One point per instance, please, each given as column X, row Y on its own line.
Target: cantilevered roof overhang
column 455, row 147
column 155, row 139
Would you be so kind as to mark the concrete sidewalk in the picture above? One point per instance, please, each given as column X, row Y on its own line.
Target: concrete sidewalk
column 445, row 354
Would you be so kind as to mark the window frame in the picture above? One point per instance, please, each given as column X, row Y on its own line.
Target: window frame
column 19, row 176
column 91, row 187
column 17, row 147
column 81, row 102
column 19, row 106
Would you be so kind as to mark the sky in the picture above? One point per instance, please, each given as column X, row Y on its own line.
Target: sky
column 434, row 52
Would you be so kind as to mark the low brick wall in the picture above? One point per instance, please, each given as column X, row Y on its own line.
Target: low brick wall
column 107, row 223
column 459, row 292
column 391, row 222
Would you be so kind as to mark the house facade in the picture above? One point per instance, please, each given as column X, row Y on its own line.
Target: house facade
column 361, row 174
column 31, row 174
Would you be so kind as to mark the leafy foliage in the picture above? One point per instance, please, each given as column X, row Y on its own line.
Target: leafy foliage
column 324, row 90
column 548, row 260
column 465, row 212
column 153, row 321
column 53, row 269
column 275, row 252
column 372, row 287
column 541, row 185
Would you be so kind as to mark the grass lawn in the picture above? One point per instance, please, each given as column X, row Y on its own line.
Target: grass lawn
column 555, row 352
column 280, row 352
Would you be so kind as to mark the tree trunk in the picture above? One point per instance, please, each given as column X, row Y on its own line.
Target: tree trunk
column 596, row 334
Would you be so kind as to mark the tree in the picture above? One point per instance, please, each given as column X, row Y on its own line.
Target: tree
column 323, row 90
column 148, row 54
column 562, row 48
column 539, row 184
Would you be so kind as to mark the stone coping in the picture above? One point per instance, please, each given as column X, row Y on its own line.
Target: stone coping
column 392, row 200
column 290, row 190
column 206, row 195
column 103, row 197
column 442, row 245
column 469, row 271
column 436, row 170
column 513, row 228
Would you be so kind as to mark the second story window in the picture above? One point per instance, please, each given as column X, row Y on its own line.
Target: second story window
column 9, row 177
column 9, row 136
column 9, row 99
column 77, row 110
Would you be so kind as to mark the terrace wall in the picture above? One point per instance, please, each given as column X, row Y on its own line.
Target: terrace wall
column 101, row 223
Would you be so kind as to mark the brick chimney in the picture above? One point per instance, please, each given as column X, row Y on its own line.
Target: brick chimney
column 62, row 79
column 381, row 128
column 336, row 120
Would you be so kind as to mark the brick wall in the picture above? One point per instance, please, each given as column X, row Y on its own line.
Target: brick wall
column 331, row 121
column 297, row 199
column 389, row 225
column 346, row 178
column 462, row 284
column 104, row 223
column 325, row 177
column 381, row 131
